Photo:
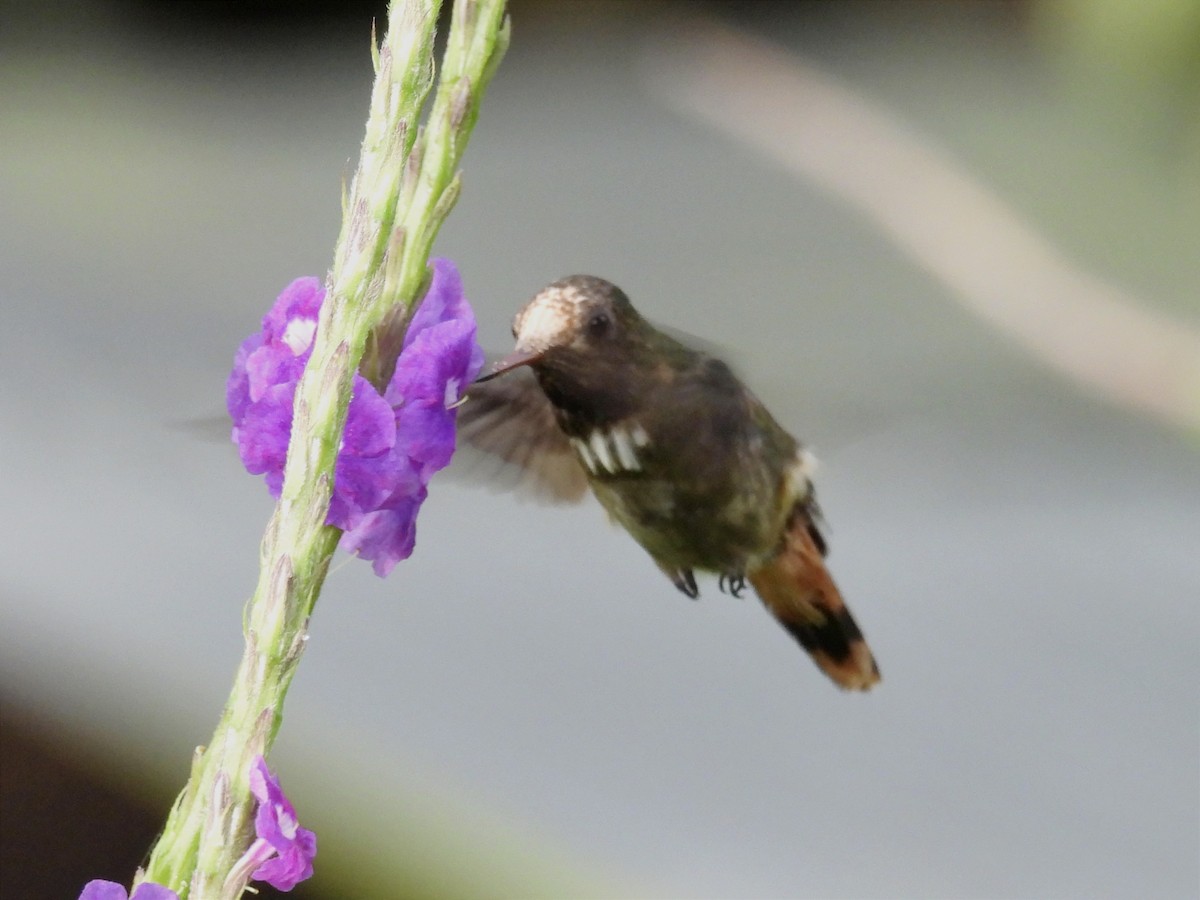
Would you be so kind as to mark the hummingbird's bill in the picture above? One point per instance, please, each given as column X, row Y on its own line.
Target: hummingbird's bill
column 514, row 360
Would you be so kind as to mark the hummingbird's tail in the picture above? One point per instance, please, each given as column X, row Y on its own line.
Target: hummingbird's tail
column 797, row 588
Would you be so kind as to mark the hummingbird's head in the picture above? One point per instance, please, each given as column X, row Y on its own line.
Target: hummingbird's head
column 577, row 314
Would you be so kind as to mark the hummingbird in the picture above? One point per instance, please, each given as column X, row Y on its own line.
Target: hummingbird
column 678, row 452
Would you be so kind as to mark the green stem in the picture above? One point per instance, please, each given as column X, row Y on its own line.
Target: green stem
column 406, row 182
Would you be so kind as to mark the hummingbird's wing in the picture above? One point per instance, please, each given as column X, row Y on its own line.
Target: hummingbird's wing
column 510, row 420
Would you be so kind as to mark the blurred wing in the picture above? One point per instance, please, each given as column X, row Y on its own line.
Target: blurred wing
column 694, row 342
column 510, row 421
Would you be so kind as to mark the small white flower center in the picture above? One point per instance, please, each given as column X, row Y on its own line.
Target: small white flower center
column 299, row 334
column 451, row 397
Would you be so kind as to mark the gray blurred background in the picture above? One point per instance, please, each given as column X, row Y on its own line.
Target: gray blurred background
column 526, row 707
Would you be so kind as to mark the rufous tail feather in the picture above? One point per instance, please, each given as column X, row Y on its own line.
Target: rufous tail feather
column 798, row 590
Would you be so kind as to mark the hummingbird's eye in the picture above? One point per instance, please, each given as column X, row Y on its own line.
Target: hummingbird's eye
column 598, row 324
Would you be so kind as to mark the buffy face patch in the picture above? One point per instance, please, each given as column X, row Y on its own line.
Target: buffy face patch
column 550, row 319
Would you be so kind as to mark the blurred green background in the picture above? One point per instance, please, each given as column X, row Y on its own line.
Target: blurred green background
column 526, row 708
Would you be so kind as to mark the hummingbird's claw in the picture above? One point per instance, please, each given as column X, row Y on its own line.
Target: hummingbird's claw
column 732, row 584
column 685, row 580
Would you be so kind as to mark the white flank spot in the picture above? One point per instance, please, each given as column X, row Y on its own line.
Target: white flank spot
column 600, row 447
column 626, row 454
column 585, row 454
column 640, row 438
column 799, row 476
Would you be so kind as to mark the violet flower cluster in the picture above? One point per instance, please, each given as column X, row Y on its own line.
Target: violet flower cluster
column 393, row 442
column 281, row 855
column 283, row 852
column 98, row 889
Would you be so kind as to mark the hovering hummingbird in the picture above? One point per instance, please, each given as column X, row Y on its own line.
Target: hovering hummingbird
column 678, row 452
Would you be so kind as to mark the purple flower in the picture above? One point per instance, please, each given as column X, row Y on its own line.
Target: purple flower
column 283, row 852
column 394, row 443
column 110, row 890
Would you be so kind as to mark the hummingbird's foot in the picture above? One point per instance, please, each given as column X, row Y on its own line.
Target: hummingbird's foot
column 685, row 580
column 732, row 584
